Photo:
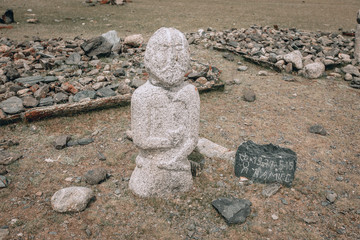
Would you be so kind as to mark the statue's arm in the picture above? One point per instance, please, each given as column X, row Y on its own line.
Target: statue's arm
column 192, row 100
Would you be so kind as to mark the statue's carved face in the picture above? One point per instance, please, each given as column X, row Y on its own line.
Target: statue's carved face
column 167, row 57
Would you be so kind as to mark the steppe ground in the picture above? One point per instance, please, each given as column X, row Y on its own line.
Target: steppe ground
column 281, row 114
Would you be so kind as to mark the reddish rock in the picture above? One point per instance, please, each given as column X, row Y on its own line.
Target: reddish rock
column 69, row 88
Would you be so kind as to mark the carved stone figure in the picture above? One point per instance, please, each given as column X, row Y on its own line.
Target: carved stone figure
column 164, row 118
column 357, row 39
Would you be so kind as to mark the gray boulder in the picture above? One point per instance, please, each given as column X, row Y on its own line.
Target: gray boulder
column 98, row 46
column 12, row 105
column 111, row 37
column 71, row 199
column 73, row 59
column 95, row 176
column 314, row 70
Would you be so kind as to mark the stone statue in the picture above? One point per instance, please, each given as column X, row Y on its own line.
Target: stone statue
column 357, row 39
column 164, row 118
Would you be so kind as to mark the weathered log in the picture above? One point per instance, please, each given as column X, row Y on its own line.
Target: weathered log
column 72, row 108
column 67, row 109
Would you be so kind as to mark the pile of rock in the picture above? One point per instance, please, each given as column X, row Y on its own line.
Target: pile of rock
column 42, row 73
column 112, row 2
column 290, row 50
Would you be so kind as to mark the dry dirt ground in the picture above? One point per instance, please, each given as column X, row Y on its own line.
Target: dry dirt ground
column 281, row 114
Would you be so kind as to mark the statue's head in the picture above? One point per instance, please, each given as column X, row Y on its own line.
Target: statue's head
column 358, row 17
column 167, row 57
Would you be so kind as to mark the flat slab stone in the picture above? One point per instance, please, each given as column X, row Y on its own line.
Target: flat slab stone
column 234, row 210
column 12, row 105
column 36, row 79
column 84, row 94
column 265, row 163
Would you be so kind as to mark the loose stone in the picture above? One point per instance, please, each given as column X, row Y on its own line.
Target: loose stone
column 249, row 95
column 95, row 176
column 12, row 105
column 61, row 141
column 314, row 70
column 71, row 199
column 271, row 189
column 30, row 102
column 318, row 129
column 234, row 210
column 331, row 196
column 242, row 68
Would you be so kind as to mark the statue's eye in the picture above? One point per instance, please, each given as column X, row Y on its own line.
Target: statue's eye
column 164, row 47
column 178, row 47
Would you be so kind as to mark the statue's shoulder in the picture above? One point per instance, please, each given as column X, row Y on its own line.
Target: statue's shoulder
column 144, row 90
column 189, row 89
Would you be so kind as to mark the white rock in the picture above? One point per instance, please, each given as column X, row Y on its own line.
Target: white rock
column 263, row 73
column 164, row 118
column 71, row 199
column 295, row 58
column 111, row 37
column 314, row 70
column 134, row 40
column 211, row 149
column 348, row 77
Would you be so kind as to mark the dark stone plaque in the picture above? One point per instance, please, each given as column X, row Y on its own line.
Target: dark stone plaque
column 265, row 163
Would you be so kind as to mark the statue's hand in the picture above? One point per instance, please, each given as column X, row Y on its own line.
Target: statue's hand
column 176, row 135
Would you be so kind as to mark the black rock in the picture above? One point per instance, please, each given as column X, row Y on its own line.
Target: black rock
column 318, row 129
column 355, row 83
column 11, row 73
column 234, row 210
column 8, row 17
column 105, row 92
column 3, row 182
column 85, row 141
column 84, row 94
column 119, row 73
column 265, row 163
column 95, row 176
column 98, row 46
